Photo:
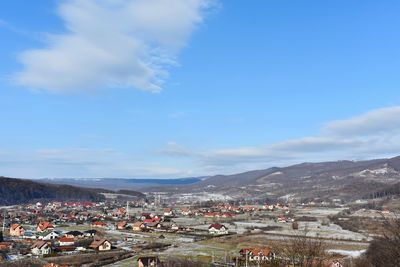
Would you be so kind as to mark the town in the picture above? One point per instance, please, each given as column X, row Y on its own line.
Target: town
column 169, row 231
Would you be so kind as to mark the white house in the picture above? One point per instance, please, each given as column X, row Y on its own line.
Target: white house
column 168, row 212
column 101, row 245
column 218, row 229
column 49, row 235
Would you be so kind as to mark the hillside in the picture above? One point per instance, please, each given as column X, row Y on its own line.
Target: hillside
column 347, row 180
column 16, row 191
column 339, row 179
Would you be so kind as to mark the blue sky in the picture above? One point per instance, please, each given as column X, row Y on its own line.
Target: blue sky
column 157, row 88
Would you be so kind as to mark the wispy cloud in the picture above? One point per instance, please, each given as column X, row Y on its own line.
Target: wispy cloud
column 370, row 135
column 375, row 122
column 359, row 137
column 120, row 43
column 81, row 163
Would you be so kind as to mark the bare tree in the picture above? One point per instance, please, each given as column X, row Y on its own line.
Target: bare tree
column 304, row 251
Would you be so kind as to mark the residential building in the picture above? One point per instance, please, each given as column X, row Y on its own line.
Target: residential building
column 16, row 230
column 101, row 245
column 218, row 229
column 40, row 248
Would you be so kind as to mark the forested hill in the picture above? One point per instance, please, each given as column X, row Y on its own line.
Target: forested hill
column 17, row 191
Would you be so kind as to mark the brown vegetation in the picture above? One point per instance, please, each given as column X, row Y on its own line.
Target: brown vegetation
column 384, row 251
column 303, row 251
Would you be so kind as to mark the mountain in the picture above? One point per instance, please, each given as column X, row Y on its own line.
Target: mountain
column 123, row 183
column 345, row 179
column 17, row 191
column 325, row 180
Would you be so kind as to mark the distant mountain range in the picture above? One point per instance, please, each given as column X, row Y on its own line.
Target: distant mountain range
column 123, row 183
column 17, row 191
column 347, row 180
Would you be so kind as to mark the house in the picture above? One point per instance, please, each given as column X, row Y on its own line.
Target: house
column 90, row 233
column 152, row 225
column 122, row 225
column 248, row 208
column 146, row 215
column 74, row 234
column 268, row 207
column 40, row 248
column 186, row 211
column 218, row 229
column 175, row 227
column 44, row 226
column 138, row 226
column 99, row 224
column 66, row 241
column 121, row 212
column 16, row 230
column 257, row 254
column 48, row 235
column 148, row 262
column 101, row 245
column 168, row 212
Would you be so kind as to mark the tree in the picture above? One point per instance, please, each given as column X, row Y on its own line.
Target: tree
column 303, row 251
column 384, row 251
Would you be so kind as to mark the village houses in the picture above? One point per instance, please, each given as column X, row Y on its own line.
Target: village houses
column 16, row 230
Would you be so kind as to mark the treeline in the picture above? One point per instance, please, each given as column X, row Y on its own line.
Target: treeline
column 392, row 190
column 18, row 191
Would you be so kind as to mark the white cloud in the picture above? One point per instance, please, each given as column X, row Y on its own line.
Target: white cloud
column 375, row 122
column 373, row 134
column 112, row 43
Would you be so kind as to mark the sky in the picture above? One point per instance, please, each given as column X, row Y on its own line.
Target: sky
column 183, row 88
